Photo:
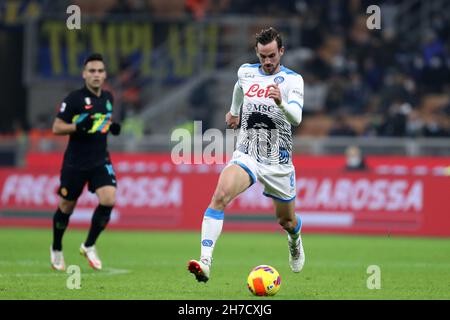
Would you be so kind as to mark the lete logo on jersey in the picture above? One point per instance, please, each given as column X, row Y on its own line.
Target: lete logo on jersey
column 256, row 90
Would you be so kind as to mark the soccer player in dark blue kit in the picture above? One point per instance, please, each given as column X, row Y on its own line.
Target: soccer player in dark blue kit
column 86, row 116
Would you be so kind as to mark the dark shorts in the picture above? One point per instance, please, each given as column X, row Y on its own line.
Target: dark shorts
column 73, row 180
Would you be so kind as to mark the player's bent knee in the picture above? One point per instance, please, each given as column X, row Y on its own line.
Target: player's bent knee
column 221, row 198
column 67, row 207
column 107, row 202
column 107, row 199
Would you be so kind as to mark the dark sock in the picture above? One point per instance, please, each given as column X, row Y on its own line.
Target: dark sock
column 99, row 221
column 60, row 223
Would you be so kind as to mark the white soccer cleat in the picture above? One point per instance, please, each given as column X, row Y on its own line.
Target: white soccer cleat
column 296, row 254
column 57, row 260
column 200, row 269
column 91, row 255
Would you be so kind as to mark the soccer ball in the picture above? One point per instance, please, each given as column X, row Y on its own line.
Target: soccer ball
column 264, row 280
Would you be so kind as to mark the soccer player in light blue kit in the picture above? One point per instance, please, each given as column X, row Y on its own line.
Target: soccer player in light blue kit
column 272, row 100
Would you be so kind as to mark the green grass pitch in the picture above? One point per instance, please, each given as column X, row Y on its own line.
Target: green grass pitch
column 152, row 265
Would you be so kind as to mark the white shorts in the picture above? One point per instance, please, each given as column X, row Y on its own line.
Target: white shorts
column 278, row 180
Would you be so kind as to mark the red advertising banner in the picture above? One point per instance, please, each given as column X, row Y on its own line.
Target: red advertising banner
column 155, row 194
column 145, row 162
column 364, row 203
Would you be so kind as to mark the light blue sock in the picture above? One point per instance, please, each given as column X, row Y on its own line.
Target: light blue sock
column 296, row 232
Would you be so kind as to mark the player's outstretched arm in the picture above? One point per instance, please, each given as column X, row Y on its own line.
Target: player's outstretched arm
column 237, row 100
column 232, row 117
column 61, row 127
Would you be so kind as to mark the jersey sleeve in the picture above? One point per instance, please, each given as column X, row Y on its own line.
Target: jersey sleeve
column 237, row 100
column 238, row 95
column 239, row 76
column 293, row 107
column 68, row 109
column 296, row 91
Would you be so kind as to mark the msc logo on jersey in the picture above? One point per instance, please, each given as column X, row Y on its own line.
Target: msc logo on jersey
column 278, row 79
column 259, row 107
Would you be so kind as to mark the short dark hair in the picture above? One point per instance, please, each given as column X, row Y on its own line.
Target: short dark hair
column 266, row 36
column 93, row 57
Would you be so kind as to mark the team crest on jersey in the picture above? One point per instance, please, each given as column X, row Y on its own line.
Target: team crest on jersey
column 108, row 105
column 278, row 79
column 63, row 107
column 87, row 100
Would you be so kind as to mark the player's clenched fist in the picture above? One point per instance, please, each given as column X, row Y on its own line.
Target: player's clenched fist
column 232, row 121
column 85, row 124
column 115, row 128
column 274, row 93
